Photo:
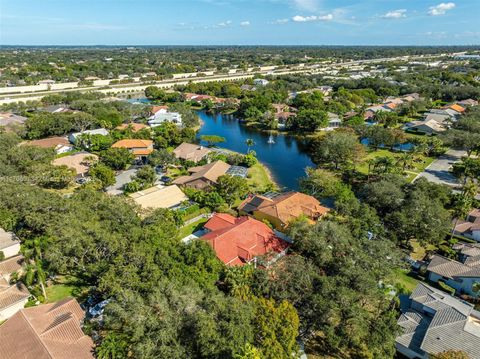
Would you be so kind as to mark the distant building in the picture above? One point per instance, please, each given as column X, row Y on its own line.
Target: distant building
column 48, row 331
column 11, row 121
column 238, row 241
column 260, row 82
column 428, row 127
column 433, row 322
column 134, row 127
column 99, row 131
column 46, row 82
column 59, row 144
column 160, row 117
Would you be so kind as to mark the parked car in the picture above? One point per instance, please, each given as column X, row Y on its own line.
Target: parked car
column 98, row 309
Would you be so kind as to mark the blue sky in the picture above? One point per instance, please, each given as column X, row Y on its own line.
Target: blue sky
column 239, row 22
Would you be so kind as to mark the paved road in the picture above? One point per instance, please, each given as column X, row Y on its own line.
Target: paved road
column 121, row 179
column 439, row 170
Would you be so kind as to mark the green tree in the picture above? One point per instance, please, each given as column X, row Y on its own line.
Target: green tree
column 104, row 174
column 117, row 158
column 231, row 188
column 337, row 148
column 212, row 140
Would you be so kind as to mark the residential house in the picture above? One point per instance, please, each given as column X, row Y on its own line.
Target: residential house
column 203, row 177
column 139, row 148
column 56, row 109
column 13, row 297
column 433, row 322
column 455, row 107
column 46, row 82
column 160, row 197
column 99, row 131
column 190, row 152
column 468, row 103
column 237, row 241
column 80, row 162
column 446, row 112
column 429, row 127
column 133, row 126
column 11, row 121
column 158, row 110
column 441, row 118
column 9, row 243
column 471, row 227
column 280, row 209
column 464, row 277
column 159, row 118
column 59, row 144
column 334, row 121
column 48, row 331
column 260, row 82
column 371, row 111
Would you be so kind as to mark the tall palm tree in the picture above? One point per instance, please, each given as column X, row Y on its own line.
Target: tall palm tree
column 33, row 256
column 250, row 143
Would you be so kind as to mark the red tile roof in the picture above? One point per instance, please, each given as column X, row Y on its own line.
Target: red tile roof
column 238, row 240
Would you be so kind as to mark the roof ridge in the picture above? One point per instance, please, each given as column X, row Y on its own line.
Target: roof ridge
column 35, row 332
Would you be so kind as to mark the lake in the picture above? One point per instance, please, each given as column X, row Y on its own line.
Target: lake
column 286, row 159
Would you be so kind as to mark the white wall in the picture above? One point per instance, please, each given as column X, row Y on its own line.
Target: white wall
column 11, row 251
column 11, row 310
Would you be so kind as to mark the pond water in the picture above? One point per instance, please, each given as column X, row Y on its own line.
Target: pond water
column 404, row 147
column 286, row 159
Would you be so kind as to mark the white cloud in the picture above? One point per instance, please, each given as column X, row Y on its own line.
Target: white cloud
column 441, row 8
column 310, row 5
column 395, row 14
column 224, row 23
column 245, row 23
column 280, row 21
column 299, row 18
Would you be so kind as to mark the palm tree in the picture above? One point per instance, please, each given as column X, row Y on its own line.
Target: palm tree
column 464, row 203
column 33, row 256
column 250, row 143
column 405, row 159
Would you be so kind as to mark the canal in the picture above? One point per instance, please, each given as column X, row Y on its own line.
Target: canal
column 286, row 159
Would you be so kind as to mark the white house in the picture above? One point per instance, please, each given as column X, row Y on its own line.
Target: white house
column 334, row 121
column 160, row 117
column 260, row 82
column 471, row 227
column 99, row 131
column 9, row 244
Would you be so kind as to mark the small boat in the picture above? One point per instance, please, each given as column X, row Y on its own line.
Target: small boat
column 271, row 140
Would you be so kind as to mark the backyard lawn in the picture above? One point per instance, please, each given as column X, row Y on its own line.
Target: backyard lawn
column 190, row 228
column 402, row 278
column 259, row 178
column 417, row 166
column 65, row 286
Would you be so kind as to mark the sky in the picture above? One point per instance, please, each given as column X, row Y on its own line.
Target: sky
column 239, row 22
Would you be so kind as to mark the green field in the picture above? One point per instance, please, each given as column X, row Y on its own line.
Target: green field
column 418, row 165
column 64, row 287
column 402, row 278
column 189, row 229
column 259, row 179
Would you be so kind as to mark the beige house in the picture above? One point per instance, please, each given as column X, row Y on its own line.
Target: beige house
column 9, row 243
column 190, row 152
column 48, row 331
column 13, row 297
column 80, row 162
column 160, row 197
column 202, row 177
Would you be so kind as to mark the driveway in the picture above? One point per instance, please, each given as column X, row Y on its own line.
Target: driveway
column 121, row 179
column 439, row 170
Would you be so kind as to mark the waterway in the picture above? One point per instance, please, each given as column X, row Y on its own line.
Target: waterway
column 286, row 159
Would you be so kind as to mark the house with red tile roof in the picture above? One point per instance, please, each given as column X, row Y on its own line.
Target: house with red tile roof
column 134, row 127
column 238, row 241
column 139, row 148
column 282, row 208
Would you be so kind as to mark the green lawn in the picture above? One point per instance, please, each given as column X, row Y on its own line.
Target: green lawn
column 259, row 178
column 418, row 165
column 402, row 278
column 419, row 252
column 64, row 287
column 189, row 229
